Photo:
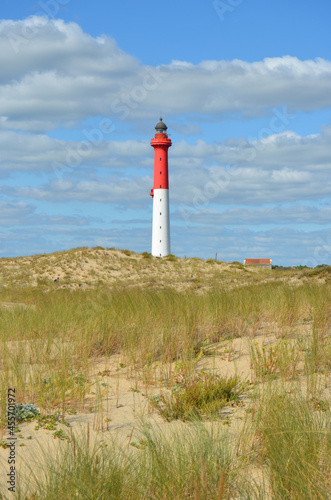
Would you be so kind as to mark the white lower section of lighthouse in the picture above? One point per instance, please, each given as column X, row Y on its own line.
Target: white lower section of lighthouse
column 161, row 223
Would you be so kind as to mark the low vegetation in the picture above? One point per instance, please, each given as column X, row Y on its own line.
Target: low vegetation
column 199, row 396
column 295, row 446
column 168, row 335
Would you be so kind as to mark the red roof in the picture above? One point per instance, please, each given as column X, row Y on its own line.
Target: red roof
column 257, row 261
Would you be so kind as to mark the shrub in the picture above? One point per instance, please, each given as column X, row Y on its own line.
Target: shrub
column 199, row 396
column 25, row 412
column 127, row 252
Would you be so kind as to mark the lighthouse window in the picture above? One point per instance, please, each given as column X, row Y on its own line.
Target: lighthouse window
column 160, row 213
column 160, row 159
column 160, row 227
column 160, row 186
column 160, row 241
column 160, row 198
column 160, row 173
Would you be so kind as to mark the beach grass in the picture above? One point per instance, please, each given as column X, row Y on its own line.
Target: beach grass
column 160, row 332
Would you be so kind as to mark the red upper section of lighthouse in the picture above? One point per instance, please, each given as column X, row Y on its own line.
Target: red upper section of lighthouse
column 160, row 143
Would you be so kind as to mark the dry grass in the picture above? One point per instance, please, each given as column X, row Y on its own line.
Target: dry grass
column 84, row 267
column 120, row 328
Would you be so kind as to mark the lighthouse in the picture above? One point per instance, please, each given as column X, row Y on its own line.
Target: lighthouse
column 160, row 192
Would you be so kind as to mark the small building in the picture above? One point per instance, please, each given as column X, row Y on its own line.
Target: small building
column 265, row 263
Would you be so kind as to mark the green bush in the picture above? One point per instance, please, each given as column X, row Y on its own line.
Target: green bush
column 201, row 395
column 25, row 412
column 127, row 252
column 235, row 263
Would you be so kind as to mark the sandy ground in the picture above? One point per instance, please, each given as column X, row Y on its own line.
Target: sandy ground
column 124, row 404
column 124, row 398
column 84, row 267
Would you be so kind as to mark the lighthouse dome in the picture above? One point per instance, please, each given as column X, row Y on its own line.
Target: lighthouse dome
column 161, row 127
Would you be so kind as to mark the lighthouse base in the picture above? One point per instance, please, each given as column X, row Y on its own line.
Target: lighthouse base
column 161, row 223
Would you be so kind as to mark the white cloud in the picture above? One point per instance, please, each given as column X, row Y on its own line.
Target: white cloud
column 57, row 74
column 286, row 168
column 33, row 152
column 285, row 246
column 122, row 192
column 279, row 215
column 53, row 73
column 19, row 213
column 284, row 153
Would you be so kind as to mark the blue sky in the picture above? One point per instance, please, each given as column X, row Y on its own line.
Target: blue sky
column 244, row 87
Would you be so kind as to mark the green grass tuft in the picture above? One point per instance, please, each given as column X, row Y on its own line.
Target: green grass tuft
column 198, row 396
